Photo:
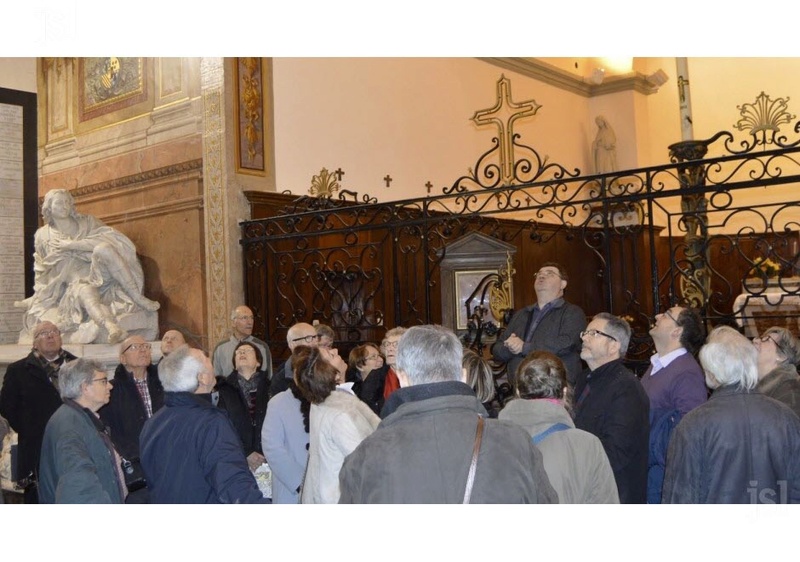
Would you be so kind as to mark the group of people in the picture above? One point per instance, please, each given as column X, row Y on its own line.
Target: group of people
column 413, row 420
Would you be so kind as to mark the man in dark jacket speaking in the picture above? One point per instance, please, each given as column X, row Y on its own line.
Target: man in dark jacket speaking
column 189, row 449
column 433, row 428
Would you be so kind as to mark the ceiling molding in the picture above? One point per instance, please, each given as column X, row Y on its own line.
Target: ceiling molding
column 549, row 74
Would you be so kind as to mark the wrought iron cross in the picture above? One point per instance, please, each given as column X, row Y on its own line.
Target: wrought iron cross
column 503, row 115
column 388, row 180
column 338, row 173
column 429, row 185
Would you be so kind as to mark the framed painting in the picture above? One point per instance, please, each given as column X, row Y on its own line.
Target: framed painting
column 466, row 283
column 108, row 84
column 249, row 115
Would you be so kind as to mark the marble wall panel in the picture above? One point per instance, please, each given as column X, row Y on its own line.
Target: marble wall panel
column 124, row 165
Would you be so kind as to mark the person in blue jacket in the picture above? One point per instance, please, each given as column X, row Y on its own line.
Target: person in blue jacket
column 190, row 451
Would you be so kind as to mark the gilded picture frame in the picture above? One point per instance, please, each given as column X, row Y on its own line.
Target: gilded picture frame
column 249, row 115
column 108, row 84
column 466, row 282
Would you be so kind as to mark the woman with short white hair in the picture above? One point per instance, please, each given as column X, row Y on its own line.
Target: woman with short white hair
column 740, row 446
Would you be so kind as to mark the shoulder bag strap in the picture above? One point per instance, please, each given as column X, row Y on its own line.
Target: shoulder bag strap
column 538, row 438
column 474, row 464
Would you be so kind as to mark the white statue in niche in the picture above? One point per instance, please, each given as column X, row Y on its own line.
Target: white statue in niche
column 604, row 147
column 88, row 280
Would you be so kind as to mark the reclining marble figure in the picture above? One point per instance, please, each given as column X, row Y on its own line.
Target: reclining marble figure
column 87, row 279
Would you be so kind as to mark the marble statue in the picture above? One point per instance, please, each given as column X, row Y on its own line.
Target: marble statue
column 87, row 279
column 604, row 147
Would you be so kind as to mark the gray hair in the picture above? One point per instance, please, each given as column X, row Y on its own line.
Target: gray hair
column 398, row 331
column 730, row 358
column 47, row 204
column 430, row 353
column 618, row 328
column 234, row 314
column 786, row 343
column 178, row 370
column 73, row 374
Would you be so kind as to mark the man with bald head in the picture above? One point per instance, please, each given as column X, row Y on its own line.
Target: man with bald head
column 171, row 340
column 299, row 334
column 30, row 396
column 135, row 396
column 241, row 330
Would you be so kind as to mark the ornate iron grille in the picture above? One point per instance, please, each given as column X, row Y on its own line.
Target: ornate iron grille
column 641, row 240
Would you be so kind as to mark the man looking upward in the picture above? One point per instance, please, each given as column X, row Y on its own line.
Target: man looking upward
column 551, row 324
column 241, row 330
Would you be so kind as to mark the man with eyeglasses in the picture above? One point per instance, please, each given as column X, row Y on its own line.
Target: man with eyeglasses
column 674, row 383
column 611, row 404
column 79, row 463
column 136, row 396
column 298, row 334
column 30, row 396
column 551, row 324
column 241, row 330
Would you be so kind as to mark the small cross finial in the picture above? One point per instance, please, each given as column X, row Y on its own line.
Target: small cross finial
column 388, row 180
column 429, row 185
column 338, row 173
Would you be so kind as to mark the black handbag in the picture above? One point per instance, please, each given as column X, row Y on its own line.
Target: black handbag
column 134, row 475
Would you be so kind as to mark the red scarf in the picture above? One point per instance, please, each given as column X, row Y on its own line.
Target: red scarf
column 391, row 384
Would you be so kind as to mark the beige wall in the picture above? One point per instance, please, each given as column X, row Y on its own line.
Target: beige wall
column 18, row 74
column 410, row 118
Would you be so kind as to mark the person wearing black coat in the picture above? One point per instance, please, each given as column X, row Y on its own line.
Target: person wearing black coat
column 612, row 404
column 244, row 394
column 125, row 413
column 29, row 397
column 368, row 374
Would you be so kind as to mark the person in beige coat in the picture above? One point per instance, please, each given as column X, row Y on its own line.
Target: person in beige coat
column 338, row 421
column 574, row 460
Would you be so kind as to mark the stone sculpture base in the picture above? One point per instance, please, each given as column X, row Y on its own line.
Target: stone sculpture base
column 141, row 323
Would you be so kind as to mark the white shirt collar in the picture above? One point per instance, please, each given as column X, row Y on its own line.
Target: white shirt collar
column 346, row 387
column 662, row 361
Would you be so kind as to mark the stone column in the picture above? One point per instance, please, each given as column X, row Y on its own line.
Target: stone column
column 217, row 217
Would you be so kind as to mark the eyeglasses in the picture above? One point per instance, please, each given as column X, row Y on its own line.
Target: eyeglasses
column 138, row 347
column 103, row 380
column 244, row 317
column 245, row 350
column 595, row 333
column 371, row 357
column 670, row 316
column 546, row 274
column 47, row 334
column 766, row 338
column 307, row 339
column 390, row 344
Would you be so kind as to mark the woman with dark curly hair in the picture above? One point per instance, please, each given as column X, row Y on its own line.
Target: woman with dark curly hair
column 339, row 421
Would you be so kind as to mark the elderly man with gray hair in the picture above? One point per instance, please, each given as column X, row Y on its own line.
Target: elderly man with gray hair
column 436, row 443
column 242, row 320
column 79, row 463
column 190, row 451
column 612, row 404
column 740, row 446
